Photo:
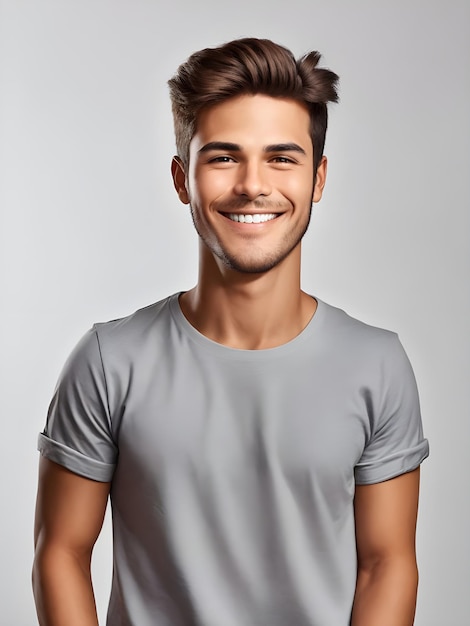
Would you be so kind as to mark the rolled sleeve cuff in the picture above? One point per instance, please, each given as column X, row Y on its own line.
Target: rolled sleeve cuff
column 74, row 461
column 376, row 471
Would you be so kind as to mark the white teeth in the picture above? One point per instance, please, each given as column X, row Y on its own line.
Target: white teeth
column 257, row 218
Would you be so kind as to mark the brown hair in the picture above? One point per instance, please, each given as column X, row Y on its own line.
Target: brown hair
column 250, row 66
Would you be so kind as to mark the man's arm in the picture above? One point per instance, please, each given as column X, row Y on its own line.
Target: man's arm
column 69, row 515
column 387, row 578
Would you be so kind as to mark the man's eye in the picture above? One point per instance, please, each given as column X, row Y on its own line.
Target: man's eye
column 282, row 159
column 221, row 159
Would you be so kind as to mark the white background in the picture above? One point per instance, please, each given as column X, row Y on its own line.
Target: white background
column 91, row 228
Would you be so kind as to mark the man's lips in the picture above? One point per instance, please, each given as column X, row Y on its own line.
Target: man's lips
column 251, row 218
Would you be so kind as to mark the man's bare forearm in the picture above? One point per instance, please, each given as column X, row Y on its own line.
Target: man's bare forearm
column 386, row 594
column 63, row 590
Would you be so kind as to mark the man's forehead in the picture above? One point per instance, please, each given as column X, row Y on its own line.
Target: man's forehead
column 262, row 103
column 251, row 119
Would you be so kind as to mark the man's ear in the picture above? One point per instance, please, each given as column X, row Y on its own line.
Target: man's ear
column 320, row 180
column 179, row 179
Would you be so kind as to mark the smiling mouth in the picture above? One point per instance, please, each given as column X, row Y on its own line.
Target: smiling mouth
column 251, row 218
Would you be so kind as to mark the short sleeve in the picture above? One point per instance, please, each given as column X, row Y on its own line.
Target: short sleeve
column 396, row 444
column 78, row 432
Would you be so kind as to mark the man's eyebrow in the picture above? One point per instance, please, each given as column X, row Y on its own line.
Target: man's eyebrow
column 226, row 146
column 220, row 145
column 284, row 147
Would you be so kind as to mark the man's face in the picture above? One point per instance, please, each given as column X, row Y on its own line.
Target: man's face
column 250, row 180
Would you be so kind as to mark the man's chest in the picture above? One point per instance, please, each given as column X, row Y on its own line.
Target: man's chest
column 225, row 427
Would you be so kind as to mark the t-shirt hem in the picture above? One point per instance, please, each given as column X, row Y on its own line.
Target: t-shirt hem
column 74, row 461
column 392, row 467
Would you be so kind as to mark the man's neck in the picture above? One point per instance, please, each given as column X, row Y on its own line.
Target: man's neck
column 249, row 311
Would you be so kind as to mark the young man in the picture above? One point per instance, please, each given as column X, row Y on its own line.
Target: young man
column 261, row 447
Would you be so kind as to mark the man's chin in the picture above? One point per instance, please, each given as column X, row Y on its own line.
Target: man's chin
column 251, row 266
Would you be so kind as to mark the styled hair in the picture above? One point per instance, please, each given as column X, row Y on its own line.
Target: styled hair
column 250, row 66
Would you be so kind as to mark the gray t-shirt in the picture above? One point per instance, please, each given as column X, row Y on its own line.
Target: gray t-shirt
column 233, row 471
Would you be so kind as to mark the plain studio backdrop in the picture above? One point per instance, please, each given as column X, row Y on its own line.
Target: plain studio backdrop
column 91, row 228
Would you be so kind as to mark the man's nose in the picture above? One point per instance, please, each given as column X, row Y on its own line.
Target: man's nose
column 253, row 181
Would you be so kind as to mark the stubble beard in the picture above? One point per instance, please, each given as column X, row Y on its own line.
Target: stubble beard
column 267, row 261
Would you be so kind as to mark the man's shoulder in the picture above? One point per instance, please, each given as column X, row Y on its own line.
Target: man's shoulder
column 139, row 324
column 344, row 321
column 354, row 333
